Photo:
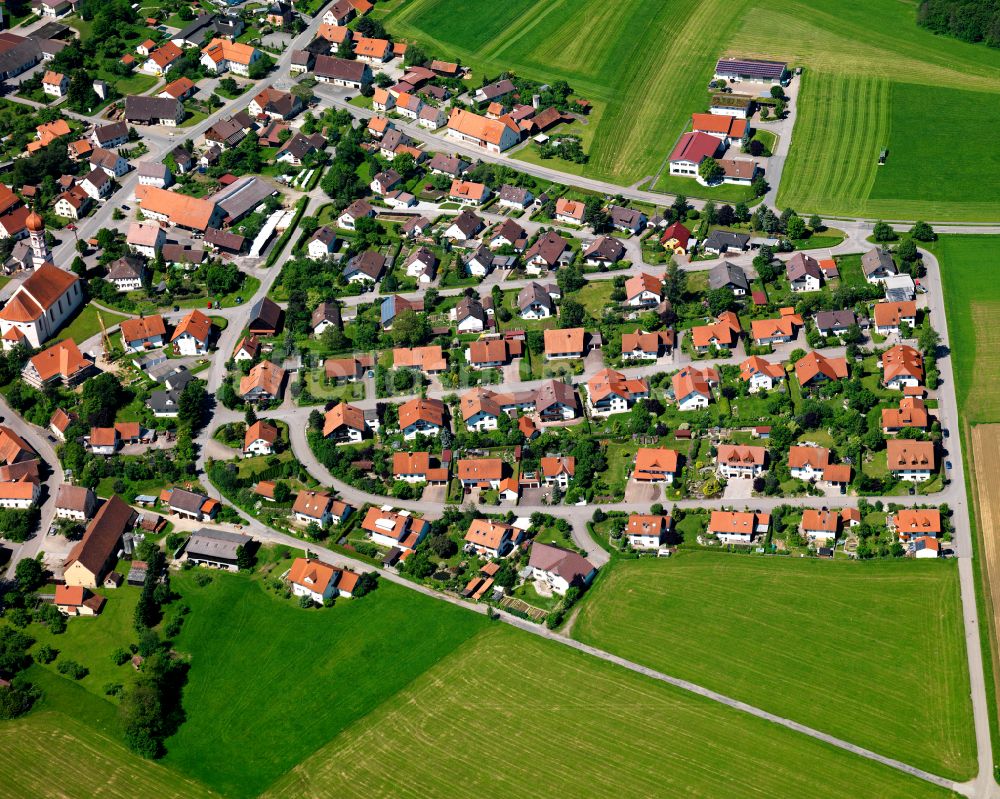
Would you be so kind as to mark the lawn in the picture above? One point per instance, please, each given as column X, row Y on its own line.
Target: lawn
column 86, row 324
column 595, row 296
column 972, row 304
column 823, row 643
column 281, row 682
column 598, row 731
column 689, row 187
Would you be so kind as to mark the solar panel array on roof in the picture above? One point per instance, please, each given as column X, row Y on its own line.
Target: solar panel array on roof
column 745, row 68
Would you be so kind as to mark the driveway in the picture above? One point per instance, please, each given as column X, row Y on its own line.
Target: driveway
column 738, row 488
column 636, row 491
column 535, row 496
column 435, row 494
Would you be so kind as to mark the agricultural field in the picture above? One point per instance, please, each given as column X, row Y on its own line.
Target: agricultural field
column 868, row 87
column 91, row 761
column 819, row 642
column 281, row 682
column 865, row 87
column 471, row 726
column 972, row 304
column 640, row 104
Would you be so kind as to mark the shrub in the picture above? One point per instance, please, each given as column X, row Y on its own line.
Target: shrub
column 45, row 654
column 121, row 656
column 71, row 668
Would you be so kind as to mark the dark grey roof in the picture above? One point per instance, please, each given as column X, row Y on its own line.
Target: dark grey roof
column 328, row 66
column 605, row 248
column 724, row 239
column 533, row 293
column 727, row 275
column 106, row 133
column 555, row 392
column 874, row 260
column 469, row 306
column 450, row 165
column 369, row 263
column 325, row 235
column 626, row 217
column 215, row 545
column 750, row 68
column 265, row 313
column 239, row 198
column 825, row 320
column 199, row 24
column 163, row 401
column 800, row 265
column 185, row 500
column 468, row 223
column 497, row 89
column 127, row 267
column 152, row 109
column 513, row 194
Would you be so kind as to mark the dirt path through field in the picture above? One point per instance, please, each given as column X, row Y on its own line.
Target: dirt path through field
column 986, row 495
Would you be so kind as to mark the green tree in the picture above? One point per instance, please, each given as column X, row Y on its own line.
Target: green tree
column 921, row 231
column 883, row 232
column 30, row 574
column 795, row 228
column 710, row 171
column 571, row 313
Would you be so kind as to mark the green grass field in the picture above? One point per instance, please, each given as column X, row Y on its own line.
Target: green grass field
column 866, row 87
column 829, row 644
column 270, row 683
column 510, row 715
column 91, row 761
column 972, row 304
column 86, row 324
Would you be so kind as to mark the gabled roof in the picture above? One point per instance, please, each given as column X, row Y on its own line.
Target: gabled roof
column 478, row 127
column 103, row 534
column 431, row 411
column 195, row 324
column 801, row 265
column 737, row 523
column 800, row 457
column 905, row 455
column 260, row 431
column 343, row 415
column 694, row 147
column 37, row 294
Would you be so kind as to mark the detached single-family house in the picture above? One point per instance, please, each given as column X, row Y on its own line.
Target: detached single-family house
column 761, row 375
column 877, row 265
column 656, row 465
column 889, row 316
column 737, row 461
column 902, row 366
column 728, row 275
column 735, row 527
column 559, row 568
column 692, row 387
column 192, row 334
column 804, row 273
column 647, row 532
column 913, row 461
